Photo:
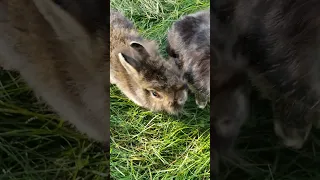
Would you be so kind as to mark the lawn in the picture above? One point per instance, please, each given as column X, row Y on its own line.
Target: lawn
column 146, row 145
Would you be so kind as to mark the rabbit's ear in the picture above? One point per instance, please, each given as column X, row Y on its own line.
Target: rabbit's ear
column 140, row 49
column 65, row 26
column 132, row 65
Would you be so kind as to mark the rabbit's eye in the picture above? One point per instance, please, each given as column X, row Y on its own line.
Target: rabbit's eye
column 155, row 94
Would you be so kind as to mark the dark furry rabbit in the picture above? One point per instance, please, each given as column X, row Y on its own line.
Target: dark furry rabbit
column 60, row 50
column 188, row 44
column 140, row 72
column 280, row 41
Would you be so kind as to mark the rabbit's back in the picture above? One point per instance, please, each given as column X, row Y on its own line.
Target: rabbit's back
column 118, row 20
column 189, row 35
column 121, row 33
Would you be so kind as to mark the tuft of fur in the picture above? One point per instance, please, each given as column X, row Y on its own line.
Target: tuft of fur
column 60, row 49
column 140, row 72
column 280, row 41
column 188, row 45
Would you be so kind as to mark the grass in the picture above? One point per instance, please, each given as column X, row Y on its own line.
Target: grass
column 146, row 145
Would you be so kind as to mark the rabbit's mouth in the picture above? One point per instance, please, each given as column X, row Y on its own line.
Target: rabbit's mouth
column 172, row 110
column 175, row 109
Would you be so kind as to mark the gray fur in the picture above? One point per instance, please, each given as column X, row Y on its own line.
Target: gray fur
column 189, row 46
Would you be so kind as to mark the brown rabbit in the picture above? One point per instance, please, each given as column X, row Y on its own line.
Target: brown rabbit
column 60, row 50
column 140, row 72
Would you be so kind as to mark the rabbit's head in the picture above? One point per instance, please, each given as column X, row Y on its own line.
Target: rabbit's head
column 157, row 84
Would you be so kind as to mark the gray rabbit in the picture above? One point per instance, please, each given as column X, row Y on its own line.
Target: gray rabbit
column 189, row 46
